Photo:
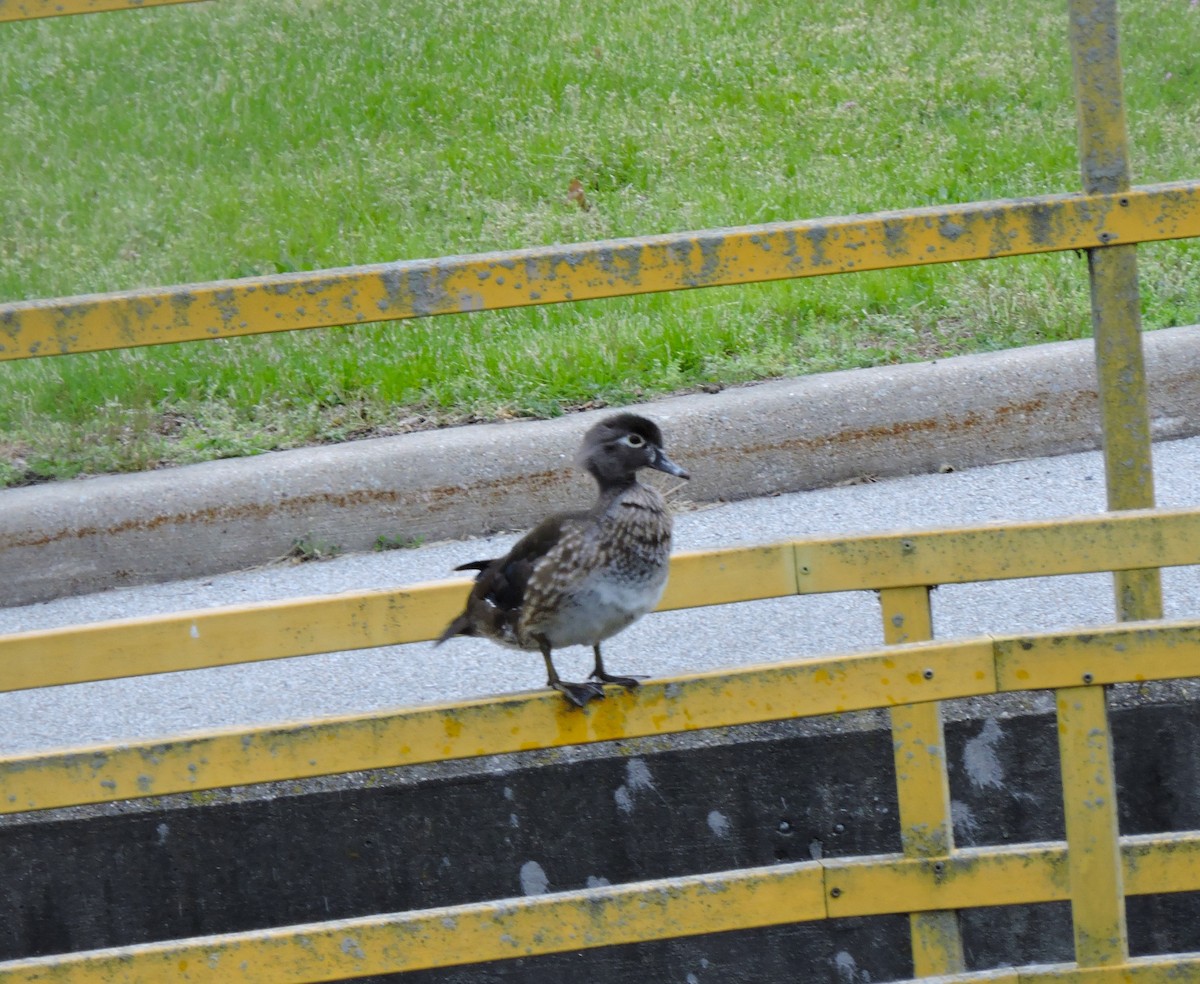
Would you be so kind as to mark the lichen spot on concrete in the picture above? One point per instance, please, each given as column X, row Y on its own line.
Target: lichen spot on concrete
column 718, row 823
column 637, row 779
column 623, row 800
column 533, row 879
column 637, row 775
column 846, row 966
column 980, row 759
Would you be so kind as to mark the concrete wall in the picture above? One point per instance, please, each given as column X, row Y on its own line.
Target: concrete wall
column 524, row 824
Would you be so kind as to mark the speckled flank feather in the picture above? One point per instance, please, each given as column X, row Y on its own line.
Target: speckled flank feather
column 601, row 575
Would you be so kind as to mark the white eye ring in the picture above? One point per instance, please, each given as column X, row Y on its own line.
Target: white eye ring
column 633, row 440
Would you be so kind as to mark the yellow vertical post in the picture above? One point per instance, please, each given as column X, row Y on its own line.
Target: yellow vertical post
column 922, row 787
column 1089, row 784
column 1116, row 315
column 1090, row 806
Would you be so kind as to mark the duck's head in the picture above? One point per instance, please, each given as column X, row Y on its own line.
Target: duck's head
column 615, row 448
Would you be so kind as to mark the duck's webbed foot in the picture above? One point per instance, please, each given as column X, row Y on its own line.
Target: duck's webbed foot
column 577, row 693
column 599, row 673
column 628, row 682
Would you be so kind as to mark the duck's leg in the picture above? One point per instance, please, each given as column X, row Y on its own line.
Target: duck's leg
column 599, row 673
column 577, row 693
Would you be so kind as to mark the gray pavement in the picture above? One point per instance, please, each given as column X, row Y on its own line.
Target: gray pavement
column 660, row 645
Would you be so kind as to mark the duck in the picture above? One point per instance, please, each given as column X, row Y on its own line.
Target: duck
column 579, row 578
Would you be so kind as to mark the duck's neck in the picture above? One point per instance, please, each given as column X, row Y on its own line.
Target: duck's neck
column 631, row 494
column 610, row 491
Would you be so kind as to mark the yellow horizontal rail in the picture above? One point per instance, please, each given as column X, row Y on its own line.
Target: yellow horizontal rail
column 16, row 10
column 520, row 722
column 415, row 613
column 1072, row 545
column 1137, row 653
column 548, row 275
column 512, row 723
column 1183, row 968
column 1012, row 874
column 330, row 623
column 615, row 915
column 1018, row 874
column 454, row 935
column 224, row 636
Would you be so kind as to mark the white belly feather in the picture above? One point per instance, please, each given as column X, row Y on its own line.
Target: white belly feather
column 601, row 607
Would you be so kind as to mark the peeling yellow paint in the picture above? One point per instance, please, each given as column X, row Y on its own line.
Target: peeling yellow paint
column 16, row 10
column 679, row 261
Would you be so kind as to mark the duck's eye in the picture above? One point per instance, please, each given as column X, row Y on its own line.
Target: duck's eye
column 633, row 440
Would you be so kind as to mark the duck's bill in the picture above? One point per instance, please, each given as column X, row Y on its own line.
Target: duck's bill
column 665, row 464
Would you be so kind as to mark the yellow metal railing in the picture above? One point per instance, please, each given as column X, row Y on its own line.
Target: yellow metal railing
column 1095, row 869
column 930, row 880
column 1107, row 221
column 586, row 271
column 1116, row 306
column 16, row 10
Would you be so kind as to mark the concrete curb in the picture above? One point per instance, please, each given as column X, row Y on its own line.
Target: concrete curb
column 796, row 434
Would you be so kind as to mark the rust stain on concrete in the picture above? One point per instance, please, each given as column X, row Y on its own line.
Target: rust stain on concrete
column 444, row 498
column 440, row 498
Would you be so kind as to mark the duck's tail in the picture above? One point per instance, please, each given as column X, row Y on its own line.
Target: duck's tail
column 461, row 626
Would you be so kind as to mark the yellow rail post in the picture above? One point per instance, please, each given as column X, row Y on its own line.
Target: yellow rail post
column 1090, row 808
column 1089, row 783
column 1112, row 270
column 922, row 786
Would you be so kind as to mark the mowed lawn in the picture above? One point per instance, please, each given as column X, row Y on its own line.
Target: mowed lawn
column 245, row 137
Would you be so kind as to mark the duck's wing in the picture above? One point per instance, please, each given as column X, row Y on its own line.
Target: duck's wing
column 495, row 602
column 504, row 581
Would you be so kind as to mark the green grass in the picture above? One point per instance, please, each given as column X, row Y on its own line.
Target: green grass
column 247, row 137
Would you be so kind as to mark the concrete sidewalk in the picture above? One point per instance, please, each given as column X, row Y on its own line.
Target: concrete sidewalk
column 812, row 432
